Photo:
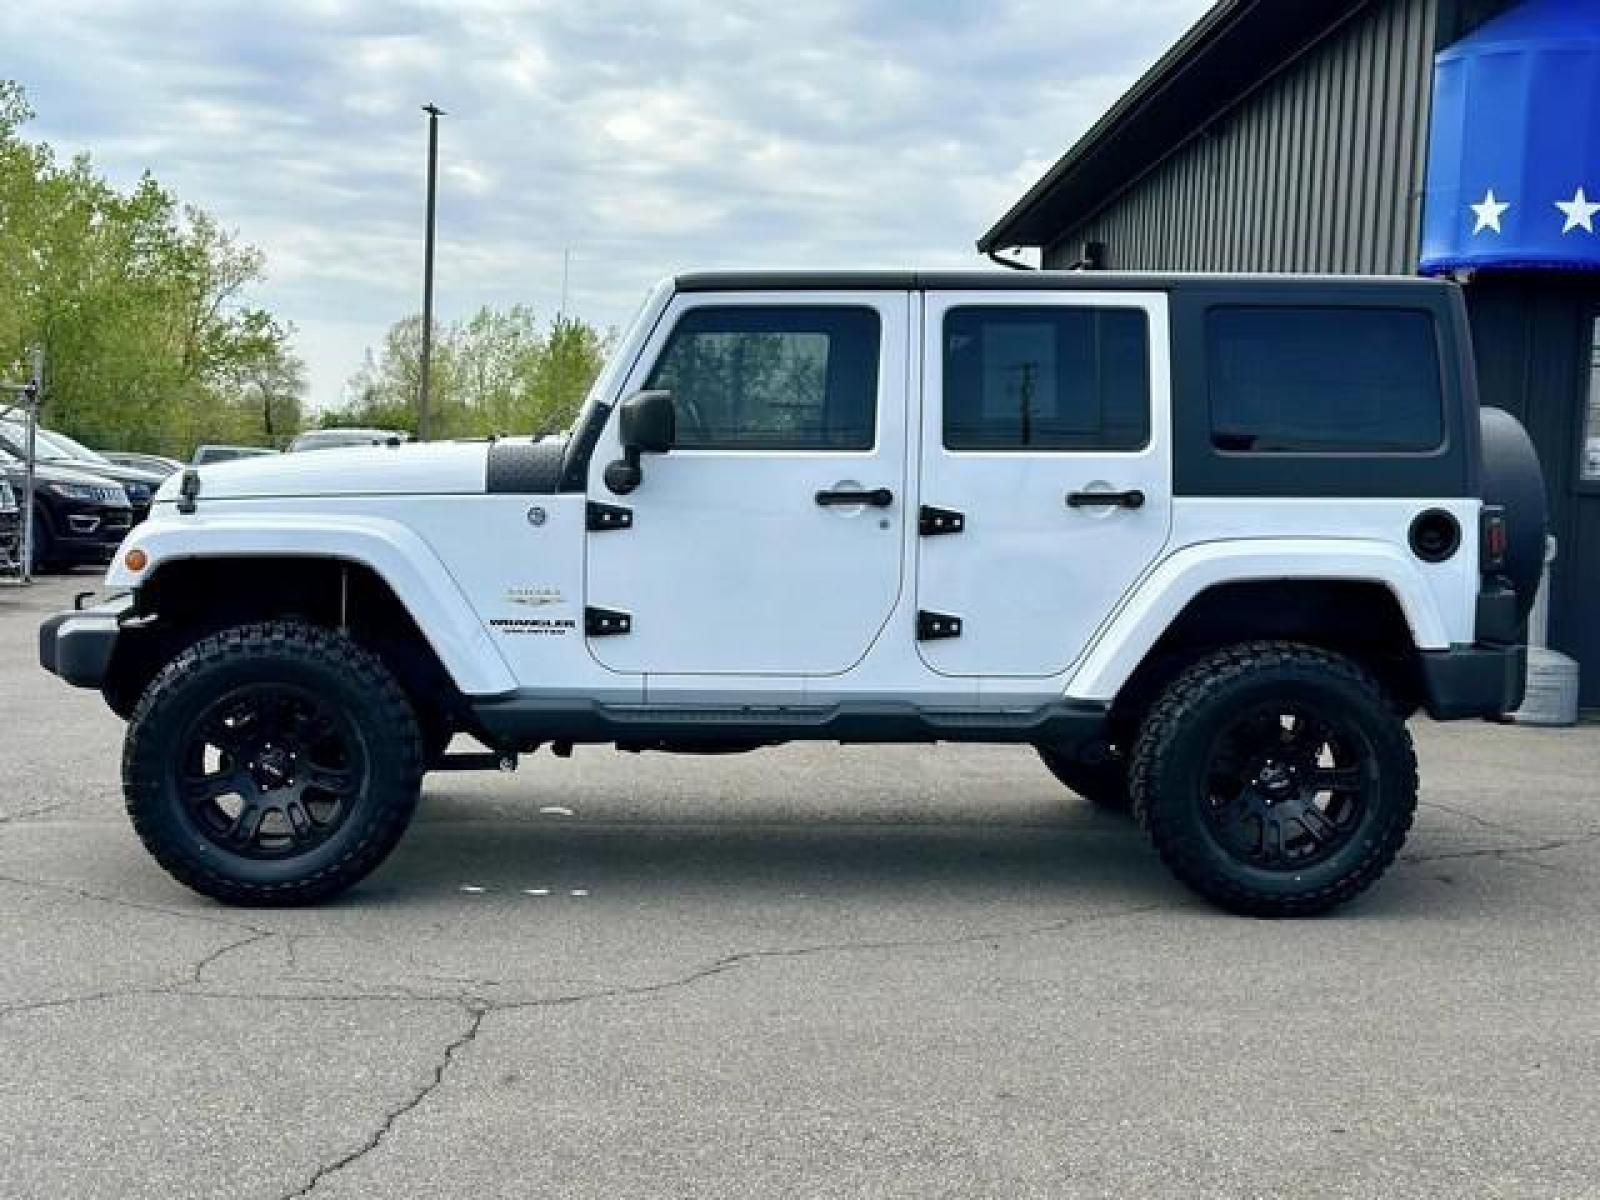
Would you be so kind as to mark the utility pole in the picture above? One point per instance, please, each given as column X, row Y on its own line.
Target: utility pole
column 434, row 113
column 35, row 393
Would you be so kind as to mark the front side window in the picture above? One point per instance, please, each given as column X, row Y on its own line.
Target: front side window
column 1323, row 380
column 1590, row 468
column 1046, row 378
column 796, row 377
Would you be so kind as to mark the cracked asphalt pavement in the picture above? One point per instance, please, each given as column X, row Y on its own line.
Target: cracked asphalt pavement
column 809, row 972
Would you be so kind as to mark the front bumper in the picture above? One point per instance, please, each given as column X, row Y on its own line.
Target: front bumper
column 82, row 533
column 77, row 646
column 1480, row 680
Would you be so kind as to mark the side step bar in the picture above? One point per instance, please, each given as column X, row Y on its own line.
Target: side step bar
column 522, row 719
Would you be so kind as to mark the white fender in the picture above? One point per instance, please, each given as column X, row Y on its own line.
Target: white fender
column 1163, row 593
column 399, row 557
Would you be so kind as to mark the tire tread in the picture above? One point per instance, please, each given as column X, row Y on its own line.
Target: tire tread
column 266, row 641
column 1177, row 705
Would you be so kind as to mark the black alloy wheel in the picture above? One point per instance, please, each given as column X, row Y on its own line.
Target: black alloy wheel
column 272, row 763
column 270, row 770
column 1287, row 788
column 1274, row 778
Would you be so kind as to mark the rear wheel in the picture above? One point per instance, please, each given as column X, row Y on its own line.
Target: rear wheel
column 1275, row 779
column 275, row 763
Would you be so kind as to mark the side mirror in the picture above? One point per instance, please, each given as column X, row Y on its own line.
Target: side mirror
column 646, row 424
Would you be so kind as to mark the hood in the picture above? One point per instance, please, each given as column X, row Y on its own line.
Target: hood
column 141, row 485
column 116, row 471
column 410, row 469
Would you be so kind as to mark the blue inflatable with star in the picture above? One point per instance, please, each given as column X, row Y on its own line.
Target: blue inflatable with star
column 1514, row 154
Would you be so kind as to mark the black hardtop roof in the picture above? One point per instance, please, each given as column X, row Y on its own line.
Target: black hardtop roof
column 1000, row 280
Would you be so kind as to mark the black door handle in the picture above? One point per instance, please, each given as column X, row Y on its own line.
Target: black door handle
column 1132, row 498
column 876, row 498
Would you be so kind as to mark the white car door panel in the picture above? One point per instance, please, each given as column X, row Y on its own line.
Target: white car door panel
column 1045, row 427
column 770, row 539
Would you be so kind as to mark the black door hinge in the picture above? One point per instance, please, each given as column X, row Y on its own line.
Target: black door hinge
column 932, row 626
column 932, row 521
column 606, row 622
column 607, row 516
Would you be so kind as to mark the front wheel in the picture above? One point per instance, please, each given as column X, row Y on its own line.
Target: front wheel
column 275, row 763
column 1275, row 779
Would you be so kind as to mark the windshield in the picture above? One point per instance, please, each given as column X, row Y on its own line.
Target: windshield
column 46, row 444
column 74, row 448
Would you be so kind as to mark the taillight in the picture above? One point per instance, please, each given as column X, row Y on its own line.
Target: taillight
column 1493, row 541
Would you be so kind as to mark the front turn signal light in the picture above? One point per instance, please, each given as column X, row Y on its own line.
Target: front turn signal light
column 136, row 559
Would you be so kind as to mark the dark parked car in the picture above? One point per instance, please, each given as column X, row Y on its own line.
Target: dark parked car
column 59, row 450
column 160, row 464
column 204, row 455
column 77, row 517
column 10, row 527
column 329, row 439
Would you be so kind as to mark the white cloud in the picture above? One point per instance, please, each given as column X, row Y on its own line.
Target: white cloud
column 648, row 136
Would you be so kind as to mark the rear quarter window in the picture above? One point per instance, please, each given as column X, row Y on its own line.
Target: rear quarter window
column 1323, row 380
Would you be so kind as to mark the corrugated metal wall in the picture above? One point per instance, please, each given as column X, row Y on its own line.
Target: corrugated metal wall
column 1535, row 348
column 1319, row 170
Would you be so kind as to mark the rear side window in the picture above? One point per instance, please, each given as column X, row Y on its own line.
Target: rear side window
column 1323, row 380
column 1046, row 378
column 795, row 377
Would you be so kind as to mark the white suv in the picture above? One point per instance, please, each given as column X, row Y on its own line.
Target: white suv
column 1206, row 542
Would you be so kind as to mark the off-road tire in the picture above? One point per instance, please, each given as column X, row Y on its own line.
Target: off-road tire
column 1173, row 750
column 1103, row 784
column 318, row 659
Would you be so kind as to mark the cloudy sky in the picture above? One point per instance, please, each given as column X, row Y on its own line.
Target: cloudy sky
column 646, row 136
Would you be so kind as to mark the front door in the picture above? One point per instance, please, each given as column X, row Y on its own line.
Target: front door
column 769, row 540
column 1045, row 429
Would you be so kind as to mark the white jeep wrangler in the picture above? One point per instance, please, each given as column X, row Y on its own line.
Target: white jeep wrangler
column 1205, row 542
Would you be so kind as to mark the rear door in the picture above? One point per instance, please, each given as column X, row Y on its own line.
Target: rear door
column 1045, row 465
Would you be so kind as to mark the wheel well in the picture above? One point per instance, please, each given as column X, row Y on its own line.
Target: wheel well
column 189, row 598
column 1359, row 619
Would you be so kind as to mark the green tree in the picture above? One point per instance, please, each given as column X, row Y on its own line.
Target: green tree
column 498, row 371
column 138, row 303
column 268, row 375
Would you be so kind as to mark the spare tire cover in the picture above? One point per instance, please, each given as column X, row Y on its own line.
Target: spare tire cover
column 1513, row 480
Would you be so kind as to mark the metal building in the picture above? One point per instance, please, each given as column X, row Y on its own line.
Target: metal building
column 1369, row 136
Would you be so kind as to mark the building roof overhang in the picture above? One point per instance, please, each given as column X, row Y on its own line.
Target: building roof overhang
column 1230, row 52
